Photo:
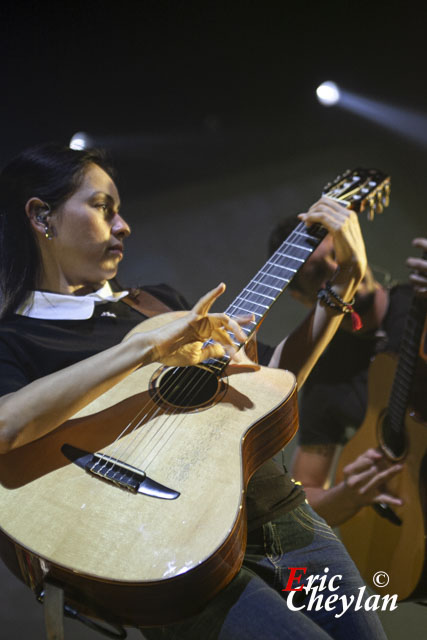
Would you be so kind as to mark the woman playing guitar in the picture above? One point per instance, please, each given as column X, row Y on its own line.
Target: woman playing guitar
column 62, row 237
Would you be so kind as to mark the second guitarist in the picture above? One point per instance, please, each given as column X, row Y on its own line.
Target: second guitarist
column 334, row 400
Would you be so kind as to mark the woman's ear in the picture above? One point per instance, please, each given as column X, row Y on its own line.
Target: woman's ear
column 38, row 213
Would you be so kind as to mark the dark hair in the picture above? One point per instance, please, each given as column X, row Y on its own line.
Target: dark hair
column 278, row 235
column 49, row 172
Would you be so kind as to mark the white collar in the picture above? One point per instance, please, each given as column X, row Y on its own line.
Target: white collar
column 58, row 306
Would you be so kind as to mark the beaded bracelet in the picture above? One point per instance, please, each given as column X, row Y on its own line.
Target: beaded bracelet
column 338, row 304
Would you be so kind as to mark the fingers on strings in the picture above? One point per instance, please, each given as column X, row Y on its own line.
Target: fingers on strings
column 329, row 213
column 222, row 328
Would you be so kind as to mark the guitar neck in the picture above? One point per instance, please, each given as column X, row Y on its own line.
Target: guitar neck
column 359, row 189
column 271, row 280
column 394, row 434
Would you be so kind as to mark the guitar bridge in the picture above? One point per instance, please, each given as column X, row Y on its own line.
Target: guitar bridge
column 112, row 469
column 118, row 473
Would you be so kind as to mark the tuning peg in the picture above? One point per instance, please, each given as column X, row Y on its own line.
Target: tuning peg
column 379, row 206
column 371, row 209
column 386, row 198
column 357, row 203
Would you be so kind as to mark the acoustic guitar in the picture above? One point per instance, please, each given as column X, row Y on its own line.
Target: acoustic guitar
column 136, row 506
column 385, row 538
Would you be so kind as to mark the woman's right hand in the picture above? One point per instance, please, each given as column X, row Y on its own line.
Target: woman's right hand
column 183, row 342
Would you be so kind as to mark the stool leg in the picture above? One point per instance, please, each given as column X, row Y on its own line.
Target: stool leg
column 53, row 604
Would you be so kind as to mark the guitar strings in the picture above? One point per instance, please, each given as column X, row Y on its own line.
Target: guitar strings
column 258, row 294
column 164, row 436
column 187, row 375
column 191, row 378
column 169, row 426
column 266, row 272
column 232, row 309
column 116, row 452
column 272, row 264
column 300, row 230
column 154, row 411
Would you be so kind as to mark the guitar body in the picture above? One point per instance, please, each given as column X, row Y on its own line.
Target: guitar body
column 135, row 558
column 373, row 541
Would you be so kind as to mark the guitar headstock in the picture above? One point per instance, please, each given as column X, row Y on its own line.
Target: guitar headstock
column 360, row 189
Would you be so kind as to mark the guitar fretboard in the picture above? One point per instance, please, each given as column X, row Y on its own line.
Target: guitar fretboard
column 394, row 434
column 271, row 280
column 355, row 189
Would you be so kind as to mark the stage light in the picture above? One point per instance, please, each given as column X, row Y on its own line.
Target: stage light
column 328, row 93
column 80, row 141
column 406, row 122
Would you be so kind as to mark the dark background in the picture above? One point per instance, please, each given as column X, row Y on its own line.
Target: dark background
column 211, row 101
column 209, row 112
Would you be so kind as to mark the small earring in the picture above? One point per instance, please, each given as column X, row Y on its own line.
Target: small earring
column 42, row 216
column 48, row 232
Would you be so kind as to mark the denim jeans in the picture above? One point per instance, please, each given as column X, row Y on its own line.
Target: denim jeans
column 255, row 607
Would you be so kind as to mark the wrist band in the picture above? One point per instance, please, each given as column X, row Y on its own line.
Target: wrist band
column 326, row 294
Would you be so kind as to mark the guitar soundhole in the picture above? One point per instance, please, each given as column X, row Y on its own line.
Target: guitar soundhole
column 186, row 387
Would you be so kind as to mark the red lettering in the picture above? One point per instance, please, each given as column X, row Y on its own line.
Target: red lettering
column 293, row 577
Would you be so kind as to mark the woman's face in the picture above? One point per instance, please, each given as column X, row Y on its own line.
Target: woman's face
column 88, row 235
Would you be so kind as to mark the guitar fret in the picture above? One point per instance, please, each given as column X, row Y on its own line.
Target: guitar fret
column 273, row 278
column 409, row 339
column 406, row 367
column 258, row 293
column 298, row 246
column 302, row 231
column 400, row 396
column 407, row 348
column 317, row 233
column 266, row 285
column 248, row 310
column 284, row 255
column 278, row 277
column 281, row 266
column 406, row 373
column 256, row 304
